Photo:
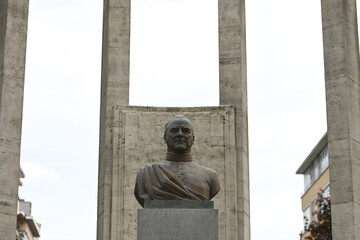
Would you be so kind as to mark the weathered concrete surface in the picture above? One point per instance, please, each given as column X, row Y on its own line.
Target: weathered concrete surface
column 233, row 91
column 341, row 57
column 13, row 32
column 114, row 91
column 177, row 224
column 138, row 140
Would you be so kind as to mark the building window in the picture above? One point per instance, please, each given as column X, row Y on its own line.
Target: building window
column 318, row 167
column 21, row 235
column 307, row 216
column 314, row 209
column 324, row 159
column 327, row 191
column 315, row 170
column 307, row 179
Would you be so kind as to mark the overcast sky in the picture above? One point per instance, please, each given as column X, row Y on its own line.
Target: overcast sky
column 173, row 49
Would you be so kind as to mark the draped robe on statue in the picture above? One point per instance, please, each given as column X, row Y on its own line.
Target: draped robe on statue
column 171, row 180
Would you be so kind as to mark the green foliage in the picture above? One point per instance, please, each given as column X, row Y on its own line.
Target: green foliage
column 320, row 229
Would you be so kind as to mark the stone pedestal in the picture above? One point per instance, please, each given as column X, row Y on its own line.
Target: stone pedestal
column 177, row 224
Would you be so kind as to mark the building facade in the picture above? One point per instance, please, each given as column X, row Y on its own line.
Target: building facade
column 315, row 169
column 26, row 226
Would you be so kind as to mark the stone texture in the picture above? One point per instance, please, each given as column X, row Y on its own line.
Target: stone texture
column 341, row 59
column 177, row 224
column 114, row 91
column 138, row 140
column 13, row 32
column 233, row 91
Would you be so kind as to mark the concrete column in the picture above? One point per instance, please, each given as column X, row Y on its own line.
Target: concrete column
column 341, row 57
column 114, row 91
column 13, row 32
column 233, row 91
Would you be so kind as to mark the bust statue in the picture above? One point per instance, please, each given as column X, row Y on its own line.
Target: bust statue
column 178, row 177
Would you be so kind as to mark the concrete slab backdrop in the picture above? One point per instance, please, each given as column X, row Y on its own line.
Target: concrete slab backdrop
column 137, row 139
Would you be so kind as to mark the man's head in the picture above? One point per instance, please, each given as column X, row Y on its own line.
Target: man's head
column 179, row 134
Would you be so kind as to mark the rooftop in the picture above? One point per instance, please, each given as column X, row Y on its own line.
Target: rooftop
column 313, row 155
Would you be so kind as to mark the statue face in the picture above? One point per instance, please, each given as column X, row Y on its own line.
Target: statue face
column 179, row 135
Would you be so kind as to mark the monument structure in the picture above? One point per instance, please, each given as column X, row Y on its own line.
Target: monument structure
column 137, row 139
column 13, row 34
column 175, row 193
column 341, row 59
column 124, row 128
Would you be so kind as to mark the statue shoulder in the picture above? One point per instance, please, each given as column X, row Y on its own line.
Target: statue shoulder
column 212, row 179
column 149, row 166
column 206, row 169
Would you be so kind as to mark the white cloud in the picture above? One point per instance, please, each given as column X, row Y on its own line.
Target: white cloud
column 35, row 172
column 177, row 65
column 276, row 215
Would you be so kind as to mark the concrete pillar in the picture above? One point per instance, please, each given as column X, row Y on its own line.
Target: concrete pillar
column 341, row 57
column 233, row 91
column 13, row 32
column 114, row 91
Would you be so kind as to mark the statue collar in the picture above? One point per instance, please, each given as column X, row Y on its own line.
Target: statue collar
column 178, row 157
